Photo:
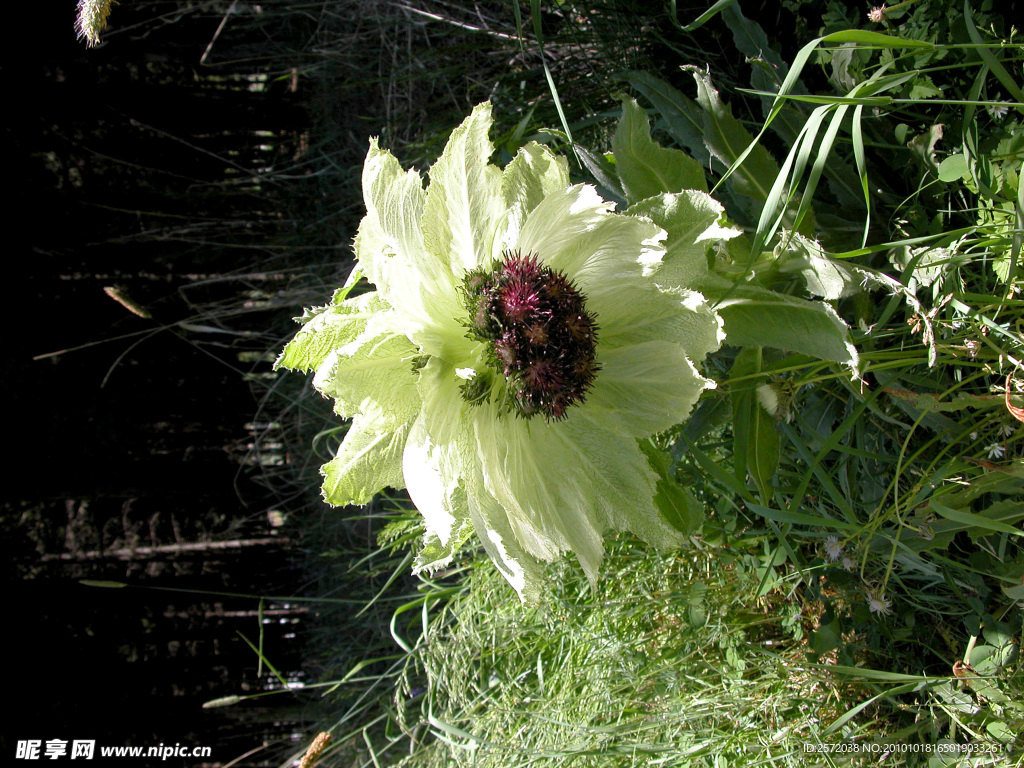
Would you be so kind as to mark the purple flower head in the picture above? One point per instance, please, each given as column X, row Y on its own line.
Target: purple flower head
column 543, row 339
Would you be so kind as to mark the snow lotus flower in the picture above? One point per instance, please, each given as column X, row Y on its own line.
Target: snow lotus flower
column 514, row 358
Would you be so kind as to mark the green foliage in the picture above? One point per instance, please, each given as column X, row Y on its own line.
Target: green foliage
column 755, row 441
column 645, row 168
column 858, row 575
column 658, row 666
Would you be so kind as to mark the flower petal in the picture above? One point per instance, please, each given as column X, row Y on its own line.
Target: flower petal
column 391, row 227
column 573, row 231
column 402, row 363
column 622, row 483
column 519, row 568
column 643, row 389
column 432, row 491
column 533, row 174
column 415, row 280
column 444, row 480
column 440, row 457
column 640, row 314
column 372, row 370
column 464, row 206
column 433, row 555
column 544, row 510
column 331, row 327
column 369, row 460
column 562, row 485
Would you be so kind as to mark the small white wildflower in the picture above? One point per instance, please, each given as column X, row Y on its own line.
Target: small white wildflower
column 877, row 15
column 997, row 111
column 996, row 451
column 833, row 549
column 877, row 602
column 1008, row 430
column 973, row 435
column 847, row 563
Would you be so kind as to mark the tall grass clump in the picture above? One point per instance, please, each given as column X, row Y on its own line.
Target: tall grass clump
column 670, row 662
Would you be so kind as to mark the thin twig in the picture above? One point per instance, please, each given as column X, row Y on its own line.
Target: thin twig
column 454, row 23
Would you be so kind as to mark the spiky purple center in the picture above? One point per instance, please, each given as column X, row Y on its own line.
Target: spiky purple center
column 538, row 333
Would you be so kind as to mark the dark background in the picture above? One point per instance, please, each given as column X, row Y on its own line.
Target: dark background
column 137, row 452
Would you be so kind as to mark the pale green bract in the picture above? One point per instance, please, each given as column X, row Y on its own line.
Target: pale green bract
column 396, row 360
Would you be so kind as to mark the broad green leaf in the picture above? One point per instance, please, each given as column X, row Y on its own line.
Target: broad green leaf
column 681, row 116
column 646, row 168
column 824, row 639
column 896, row 387
column 963, row 401
column 926, row 264
column 983, row 686
column 1000, row 731
column 824, row 277
column 750, row 38
column 953, row 167
column 755, row 316
column 980, row 524
column 1015, row 593
column 755, row 439
column 1001, row 636
column 924, row 88
column 938, row 534
column 1005, row 481
column 605, row 174
column 728, row 140
column 676, row 504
